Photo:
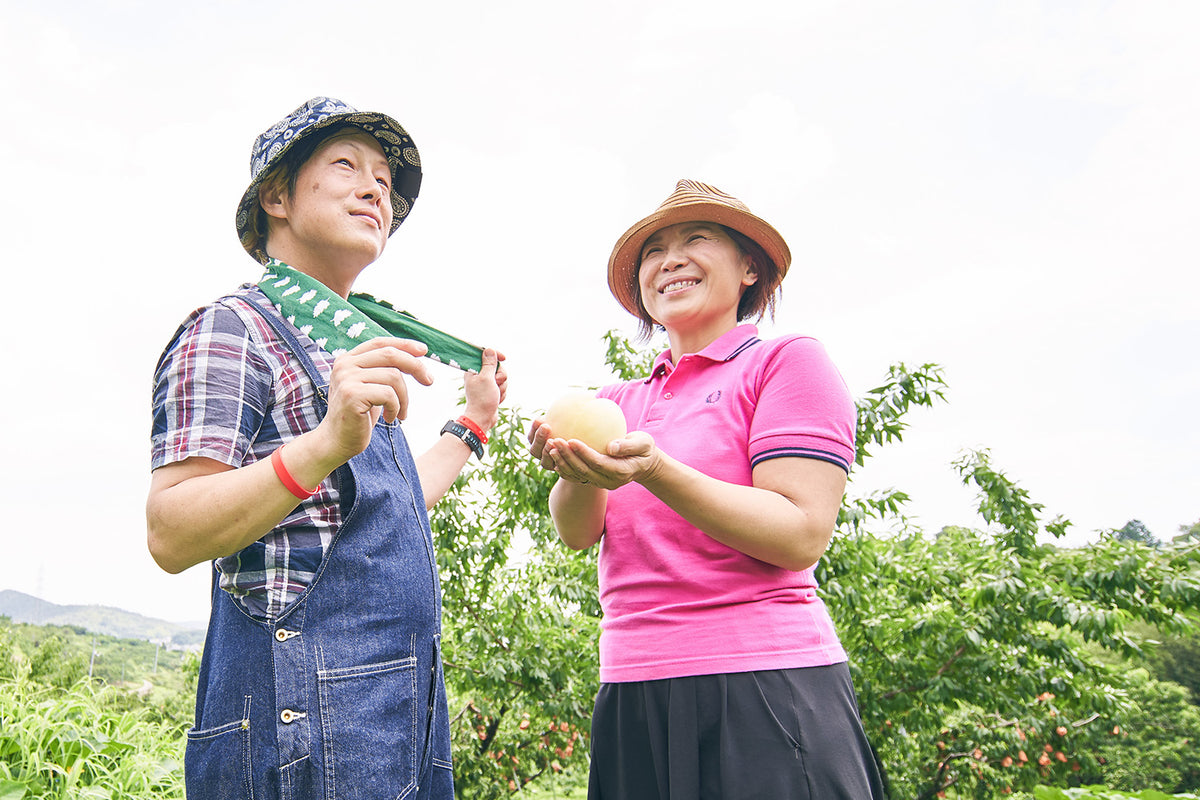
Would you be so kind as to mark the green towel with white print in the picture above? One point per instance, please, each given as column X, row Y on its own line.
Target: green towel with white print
column 338, row 325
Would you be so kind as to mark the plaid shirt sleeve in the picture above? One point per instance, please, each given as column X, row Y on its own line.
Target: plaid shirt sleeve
column 212, row 391
column 227, row 388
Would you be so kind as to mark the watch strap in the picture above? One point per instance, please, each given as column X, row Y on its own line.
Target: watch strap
column 456, row 428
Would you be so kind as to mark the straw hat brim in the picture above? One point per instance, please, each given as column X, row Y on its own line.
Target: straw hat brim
column 626, row 255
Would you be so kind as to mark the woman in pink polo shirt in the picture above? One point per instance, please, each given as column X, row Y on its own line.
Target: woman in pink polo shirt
column 721, row 673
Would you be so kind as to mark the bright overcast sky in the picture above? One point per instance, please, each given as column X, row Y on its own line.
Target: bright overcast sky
column 1008, row 189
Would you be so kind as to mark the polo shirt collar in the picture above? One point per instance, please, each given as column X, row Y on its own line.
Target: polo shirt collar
column 726, row 347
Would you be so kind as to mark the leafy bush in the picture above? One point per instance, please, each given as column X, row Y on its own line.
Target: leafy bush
column 51, row 666
column 521, row 619
column 969, row 654
column 68, row 743
column 1098, row 793
column 1177, row 659
column 521, row 622
column 1155, row 745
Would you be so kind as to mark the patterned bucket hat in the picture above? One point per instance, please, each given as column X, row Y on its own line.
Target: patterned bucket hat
column 691, row 201
column 318, row 114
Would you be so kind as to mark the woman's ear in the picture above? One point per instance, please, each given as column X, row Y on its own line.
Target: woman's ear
column 751, row 275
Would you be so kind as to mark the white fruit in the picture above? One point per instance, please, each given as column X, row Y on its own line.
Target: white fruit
column 595, row 421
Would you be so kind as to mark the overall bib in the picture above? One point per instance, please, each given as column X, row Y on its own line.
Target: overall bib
column 342, row 696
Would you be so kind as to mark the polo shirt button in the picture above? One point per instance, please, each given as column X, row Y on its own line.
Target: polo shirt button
column 667, row 395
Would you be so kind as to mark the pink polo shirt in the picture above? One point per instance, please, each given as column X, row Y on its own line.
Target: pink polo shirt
column 677, row 602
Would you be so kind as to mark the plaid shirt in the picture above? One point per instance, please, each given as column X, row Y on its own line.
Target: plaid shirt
column 228, row 388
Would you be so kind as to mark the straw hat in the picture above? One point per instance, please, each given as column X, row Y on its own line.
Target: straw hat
column 691, row 201
column 319, row 114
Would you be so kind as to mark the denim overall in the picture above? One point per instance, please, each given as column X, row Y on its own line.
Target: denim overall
column 342, row 696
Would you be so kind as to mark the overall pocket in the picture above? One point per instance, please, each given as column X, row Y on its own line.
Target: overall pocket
column 369, row 721
column 217, row 761
column 437, row 722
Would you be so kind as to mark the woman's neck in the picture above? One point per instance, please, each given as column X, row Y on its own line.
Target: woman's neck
column 693, row 341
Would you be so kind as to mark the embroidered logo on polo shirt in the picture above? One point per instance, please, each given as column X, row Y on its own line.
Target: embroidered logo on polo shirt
column 713, row 397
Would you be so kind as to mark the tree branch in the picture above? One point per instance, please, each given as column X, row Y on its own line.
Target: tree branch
column 940, row 784
column 941, row 670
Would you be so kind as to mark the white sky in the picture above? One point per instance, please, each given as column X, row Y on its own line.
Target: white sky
column 1008, row 189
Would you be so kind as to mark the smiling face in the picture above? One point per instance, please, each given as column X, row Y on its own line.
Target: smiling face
column 334, row 218
column 691, row 278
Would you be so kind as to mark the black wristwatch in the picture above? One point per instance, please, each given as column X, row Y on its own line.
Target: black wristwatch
column 467, row 435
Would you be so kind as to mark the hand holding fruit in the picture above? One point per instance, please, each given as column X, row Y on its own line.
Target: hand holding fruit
column 560, row 442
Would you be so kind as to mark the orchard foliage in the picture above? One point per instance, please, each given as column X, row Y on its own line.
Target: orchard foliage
column 521, row 621
column 969, row 656
column 880, row 422
column 968, row 647
column 1157, row 740
column 1100, row 793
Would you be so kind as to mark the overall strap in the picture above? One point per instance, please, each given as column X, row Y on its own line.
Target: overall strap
column 286, row 333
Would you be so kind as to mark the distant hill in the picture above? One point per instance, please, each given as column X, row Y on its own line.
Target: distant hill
column 21, row 607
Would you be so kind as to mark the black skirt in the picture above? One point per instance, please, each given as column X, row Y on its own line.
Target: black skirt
column 777, row 735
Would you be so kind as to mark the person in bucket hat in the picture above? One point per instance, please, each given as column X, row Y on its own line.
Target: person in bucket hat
column 292, row 138
column 277, row 456
column 721, row 672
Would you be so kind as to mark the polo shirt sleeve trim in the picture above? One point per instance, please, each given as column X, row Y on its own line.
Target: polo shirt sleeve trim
column 801, row 452
column 802, row 406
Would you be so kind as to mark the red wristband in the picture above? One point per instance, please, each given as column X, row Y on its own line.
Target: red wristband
column 286, row 478
column 474, row 428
